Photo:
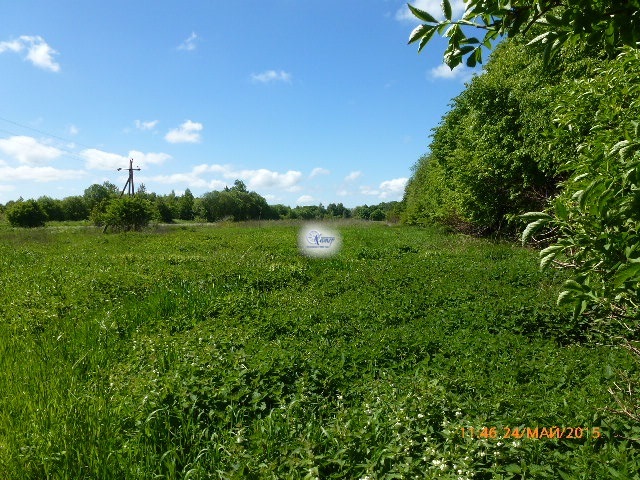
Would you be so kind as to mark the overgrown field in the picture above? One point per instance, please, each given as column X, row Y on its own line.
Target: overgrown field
column 220, row 352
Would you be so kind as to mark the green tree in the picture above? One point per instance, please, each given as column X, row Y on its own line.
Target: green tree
column 98, row 194
column 362, row 211
column 496, row 154
column 601, row 24
column 128, row 213
column 377, row 215
column 186, row 206
column 338, row 210
column 597, row 217
column 52, row 207
column 234, row 203
column 75, row 208
column 26, row 214
column 164, row 210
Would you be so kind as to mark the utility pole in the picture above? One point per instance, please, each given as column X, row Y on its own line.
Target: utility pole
column 129, row 183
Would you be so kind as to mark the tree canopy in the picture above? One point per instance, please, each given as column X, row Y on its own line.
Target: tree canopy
column 558, row 138
column 599, row 23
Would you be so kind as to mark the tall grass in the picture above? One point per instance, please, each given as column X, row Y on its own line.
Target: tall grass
column 222, row 353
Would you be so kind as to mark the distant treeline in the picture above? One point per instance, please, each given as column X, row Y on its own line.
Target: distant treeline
column 234, row 203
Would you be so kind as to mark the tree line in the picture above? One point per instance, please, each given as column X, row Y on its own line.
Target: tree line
column 102, row 205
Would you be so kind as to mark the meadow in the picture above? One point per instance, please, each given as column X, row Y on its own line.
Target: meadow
column 220, row 352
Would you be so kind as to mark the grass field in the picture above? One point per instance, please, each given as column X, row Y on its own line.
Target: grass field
column 220, row 352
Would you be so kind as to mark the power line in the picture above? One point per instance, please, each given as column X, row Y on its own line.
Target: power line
column 47, row 134
column 41, row 132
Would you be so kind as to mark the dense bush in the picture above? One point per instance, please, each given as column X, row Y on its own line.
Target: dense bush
column 596, row 219
column 489, row 158
column 75, row 208
column 52, row 207
column 128, row 213
column 26, row 214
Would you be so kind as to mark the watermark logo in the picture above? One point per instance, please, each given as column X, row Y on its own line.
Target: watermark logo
column 318, row 241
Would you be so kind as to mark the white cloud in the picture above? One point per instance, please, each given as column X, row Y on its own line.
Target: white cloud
column 271, row 76
column 353, row 176
column 387, row 189
column 12, row 46
column 98, row 160
column 263, row 178
column 393, row 188
column 38, row 52
column 150, row 125
column 367, row 190
column 319, row 171
column 190, row 179
column 188, row 132
column 73, row 130
column 28, row 150
column 38, row 174
column 190, row 43
column 255, row 179
column 142, row 159
column 7, row 188
column 461, row 72
column 305, row 200
column 430, row 6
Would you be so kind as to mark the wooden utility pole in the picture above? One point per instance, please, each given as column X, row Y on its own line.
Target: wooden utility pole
column 129, row 183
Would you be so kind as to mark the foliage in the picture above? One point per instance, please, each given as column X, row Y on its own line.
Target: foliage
column 186, row 205
column 52, row 207
column 165, row 213
column 596, row 218
column 222, row 353
column 96, row 194
column 75, row 208
column 128, row 213
column 600, row 24
column 27, row 213
column 235, row 203
column 490, row 158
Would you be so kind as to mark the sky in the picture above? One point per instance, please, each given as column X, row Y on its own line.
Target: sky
column 305, row 101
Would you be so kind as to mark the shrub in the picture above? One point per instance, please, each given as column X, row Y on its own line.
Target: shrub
column 26, row 214
column 128, row 213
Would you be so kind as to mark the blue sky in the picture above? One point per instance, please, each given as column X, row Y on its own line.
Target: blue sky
column 306, row 101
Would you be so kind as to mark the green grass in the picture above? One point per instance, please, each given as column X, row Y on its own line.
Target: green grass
column 220, row 352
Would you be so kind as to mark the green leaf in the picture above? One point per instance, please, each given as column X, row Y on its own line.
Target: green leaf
column 539, row 39
column 561, row 210
column 580, row 177
column 587, row 193
column 535, row 215
column 565, row 297
column 552, row 20
column 551, row 249
column 470, row 40
column 466, row 49
column 471, row 59
column 618, row 146
column 419, row 32
column 573, row 286
column 446, row 9
column 532, row 227
column 421, row 14
column 546, row 261
column 513, row 468
column 426, row 39
column 625, row 274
